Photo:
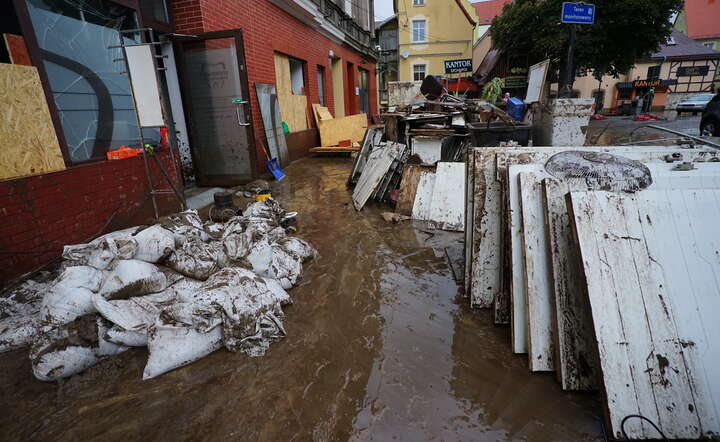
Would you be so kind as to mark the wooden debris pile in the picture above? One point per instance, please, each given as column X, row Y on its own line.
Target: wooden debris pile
column 604, row 262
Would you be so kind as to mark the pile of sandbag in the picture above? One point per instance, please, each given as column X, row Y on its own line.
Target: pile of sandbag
column 182, row 287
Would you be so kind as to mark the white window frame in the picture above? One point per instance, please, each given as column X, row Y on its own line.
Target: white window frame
column 424, row 71
column 418, row 2
column 425, row 33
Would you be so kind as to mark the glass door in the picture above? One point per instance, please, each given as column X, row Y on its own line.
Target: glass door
column 215, row 96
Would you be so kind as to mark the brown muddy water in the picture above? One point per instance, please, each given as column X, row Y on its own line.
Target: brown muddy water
column 381, row 346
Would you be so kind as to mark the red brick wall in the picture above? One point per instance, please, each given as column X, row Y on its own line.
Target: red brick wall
column 268, row 29
column 40, row 214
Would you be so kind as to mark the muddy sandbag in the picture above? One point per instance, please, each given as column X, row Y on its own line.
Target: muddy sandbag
column 19, row 314
column 173, row 341
column 63, row 350
column 251, row 308
column 299, row 247
column 120, row 336
column 154, row 244
column 103, row 251
column 268, row 209
column 195, row 259
column 132, row 277
column 70, row 295
column 214, row 230
column 274, row 261
column 185, row 225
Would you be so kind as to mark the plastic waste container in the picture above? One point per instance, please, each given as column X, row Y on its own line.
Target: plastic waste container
column 516, row 108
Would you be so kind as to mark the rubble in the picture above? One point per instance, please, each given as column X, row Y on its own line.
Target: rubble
column 181, row 287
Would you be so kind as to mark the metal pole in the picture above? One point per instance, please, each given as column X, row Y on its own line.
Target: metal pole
column 698, row 139
column 569, row 65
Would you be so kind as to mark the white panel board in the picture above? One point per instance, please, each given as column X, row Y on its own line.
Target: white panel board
column 447, row 209
column 428, row 149
column 141, row 67
column 423, row 196
column 536, row 81
column 652, row 266
column 377, row 166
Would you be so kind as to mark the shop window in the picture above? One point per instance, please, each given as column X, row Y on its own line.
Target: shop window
column 297, row 76
column 418, row 30
column 418, row 2
column 92, row 95
column 364, row 95
column 653, row 73
column 624, row 93
column 154, row 10
column 321, row 84
column 419, row 72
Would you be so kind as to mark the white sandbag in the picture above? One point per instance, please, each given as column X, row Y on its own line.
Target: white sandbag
column 19, row 314
column 107, row 347
column 274, row 261
column 250, row 305
column 63, row 350
column 132, row 277
column 103, row 251
column 17, row 331
column 154, row 244
column 129, row 314
column 195, row 259
column 268, row 209
column 173, row 343
column 300, row 248
column 71, row 295
column 214, row 230
column 185, row 226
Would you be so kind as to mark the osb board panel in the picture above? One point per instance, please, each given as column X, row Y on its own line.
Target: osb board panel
column 321, row 113
column 17, row 50
column 293, row 108
column 408, row 188
column 651, row 270
column 28, row 142
column 300, row 143
column 346, row 128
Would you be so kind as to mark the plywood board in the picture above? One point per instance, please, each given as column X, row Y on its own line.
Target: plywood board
column 447, row 209
column 352, row 128
column 17, row 50
column 539, row 291
column 293, row 108
column 28, row 142
column 334, row 149
column 518, row 282
column 377, row 166
column 574, row 339
column 424, row 194
column 408, row 188
column 321, row 113
column 651, row 265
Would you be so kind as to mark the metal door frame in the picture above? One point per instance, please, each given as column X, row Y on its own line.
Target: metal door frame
column 237, row 34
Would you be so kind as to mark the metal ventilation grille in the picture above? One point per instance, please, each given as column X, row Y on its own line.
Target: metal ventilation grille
column 600, row 170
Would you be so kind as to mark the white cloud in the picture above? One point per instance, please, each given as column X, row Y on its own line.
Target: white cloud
column 383, row 9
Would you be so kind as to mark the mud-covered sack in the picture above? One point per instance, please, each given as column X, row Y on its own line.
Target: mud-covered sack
column 241, row 236
column 196, row 259
column 132, row 277
column 173, row 341
column 19, row 314
column 302, row 249
column 70, row 295
column 268, row 209
column 103, row 251
column 63, row 350
column 120, row 336
column 276, row 262
column 250, row 306
column 154, row 244
column 185, row 226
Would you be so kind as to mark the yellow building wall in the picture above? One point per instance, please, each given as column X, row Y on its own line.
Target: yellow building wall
column 449, row 35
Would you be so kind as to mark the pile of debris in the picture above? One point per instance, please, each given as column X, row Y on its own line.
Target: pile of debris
column 416, row 160
column 603, row 262
column 181, row 287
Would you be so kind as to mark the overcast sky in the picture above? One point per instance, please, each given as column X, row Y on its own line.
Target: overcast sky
column 383, row 9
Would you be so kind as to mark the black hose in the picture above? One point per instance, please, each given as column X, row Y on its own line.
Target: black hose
column 622, row 425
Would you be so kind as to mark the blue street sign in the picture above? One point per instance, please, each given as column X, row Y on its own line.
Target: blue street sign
column 578, row 13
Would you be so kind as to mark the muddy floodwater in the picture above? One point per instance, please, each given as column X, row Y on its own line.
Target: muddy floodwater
column 381, row 346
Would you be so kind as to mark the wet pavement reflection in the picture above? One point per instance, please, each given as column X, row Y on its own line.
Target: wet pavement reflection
column 381, row 346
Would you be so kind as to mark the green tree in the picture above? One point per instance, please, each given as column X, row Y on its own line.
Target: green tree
column 624, row 31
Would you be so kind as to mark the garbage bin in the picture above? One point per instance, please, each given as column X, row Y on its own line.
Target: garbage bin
column 484, row 135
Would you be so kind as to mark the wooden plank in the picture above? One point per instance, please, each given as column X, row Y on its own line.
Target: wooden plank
column 469, row 218
column 424, row 194
column 378, row 164
column 575, row 350
column 300, row 143
column 651, row 265
column 539, row 293
column 408, row 189
column 28, row 142
column 346, row 128
column 334, row 149
column 17, row 50
column 447, row 209
column 574, row 339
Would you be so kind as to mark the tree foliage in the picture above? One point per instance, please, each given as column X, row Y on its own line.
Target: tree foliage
column 624, row 32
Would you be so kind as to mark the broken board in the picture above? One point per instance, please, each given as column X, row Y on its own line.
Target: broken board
column 651, row 266
column 378, row 164
column 28, row 141
column 424, row 194
column 373, row 137
column 335, row 149
column 447, row 209
column 408, row 188
column 427, row 150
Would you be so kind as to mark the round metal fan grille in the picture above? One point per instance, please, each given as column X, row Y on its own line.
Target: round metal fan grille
column 600, row 170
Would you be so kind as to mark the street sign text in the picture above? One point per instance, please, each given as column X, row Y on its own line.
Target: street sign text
column 458, row 66
column 578, row 13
